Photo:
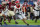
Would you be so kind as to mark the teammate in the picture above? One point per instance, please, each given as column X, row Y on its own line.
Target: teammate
column 7, row 12
column 4, row 6
column 11, row 8
column 19, row 13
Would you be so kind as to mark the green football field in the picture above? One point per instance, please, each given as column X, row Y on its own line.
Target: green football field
column 20, row 22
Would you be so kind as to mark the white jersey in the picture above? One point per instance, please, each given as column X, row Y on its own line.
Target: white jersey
column 20, row 13
column 36, row 6
column 18, row 10
column 5, row 12
column 36, row 13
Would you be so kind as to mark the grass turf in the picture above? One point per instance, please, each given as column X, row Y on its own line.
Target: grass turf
column 20, row 22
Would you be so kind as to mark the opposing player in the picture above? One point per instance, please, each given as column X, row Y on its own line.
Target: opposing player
column 36, row 11
column 19, row 13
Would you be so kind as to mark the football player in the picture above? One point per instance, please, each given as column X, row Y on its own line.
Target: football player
column 36, row 11
column 4, row 6
column 19, row 13
column 11, row 8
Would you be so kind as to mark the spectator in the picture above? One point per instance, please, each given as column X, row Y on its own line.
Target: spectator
column 28, row 2
column 31, row 2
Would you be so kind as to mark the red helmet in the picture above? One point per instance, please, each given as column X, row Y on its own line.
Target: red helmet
column 17, row 2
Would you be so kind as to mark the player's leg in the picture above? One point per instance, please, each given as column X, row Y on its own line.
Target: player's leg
column 4, row 17
column 13, row 14
column 15, row 19
column 33, row 18
column 26, row 14
column 23, row 19
column 37, row 17
column 9, row 18
column 1, row 20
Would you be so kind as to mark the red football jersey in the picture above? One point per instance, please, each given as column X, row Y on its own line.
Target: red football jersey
column 11, row 6
column 24, row 8
column 0, row 8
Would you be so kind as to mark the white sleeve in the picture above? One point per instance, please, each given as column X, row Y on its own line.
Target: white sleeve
column 14, row 8
column 2, row 12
